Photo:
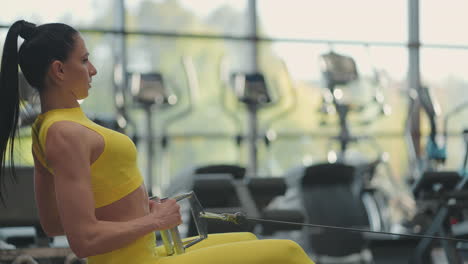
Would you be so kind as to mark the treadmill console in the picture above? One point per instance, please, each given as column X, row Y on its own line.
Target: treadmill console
column 338, row 69
column 149, row 88
column 251, row 88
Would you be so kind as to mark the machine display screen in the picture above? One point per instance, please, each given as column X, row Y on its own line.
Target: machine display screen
column 149, row 88
column 251, row 88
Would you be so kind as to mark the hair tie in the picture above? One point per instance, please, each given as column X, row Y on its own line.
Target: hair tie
column 27, row 30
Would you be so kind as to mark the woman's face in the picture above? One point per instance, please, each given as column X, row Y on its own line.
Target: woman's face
column 79, row 70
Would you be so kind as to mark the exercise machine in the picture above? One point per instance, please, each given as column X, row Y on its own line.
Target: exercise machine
column 441, row 196
column 149, row 91
column 340, row 192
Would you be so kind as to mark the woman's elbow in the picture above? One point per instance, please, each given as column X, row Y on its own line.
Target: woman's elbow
column 83, row 245
column 80, row 249
column 80, row 254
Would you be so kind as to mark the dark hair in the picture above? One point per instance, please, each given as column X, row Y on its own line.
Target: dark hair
column 42, row 45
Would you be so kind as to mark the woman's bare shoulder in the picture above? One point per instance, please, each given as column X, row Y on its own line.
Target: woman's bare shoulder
column 65, row 136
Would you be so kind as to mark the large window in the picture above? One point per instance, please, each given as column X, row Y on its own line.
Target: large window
column 160, row 34
column 85, row 13
column 360, row 20
column 347, row 22
column 443, row 22
column 227, row 17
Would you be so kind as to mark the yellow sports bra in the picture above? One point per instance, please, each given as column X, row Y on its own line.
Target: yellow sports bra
column 114, row 174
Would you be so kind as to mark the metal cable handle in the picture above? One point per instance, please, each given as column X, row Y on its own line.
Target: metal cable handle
column 171, row 237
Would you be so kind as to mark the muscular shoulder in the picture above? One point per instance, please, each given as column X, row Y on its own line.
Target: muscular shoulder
column 65, row 132
column 65, row 139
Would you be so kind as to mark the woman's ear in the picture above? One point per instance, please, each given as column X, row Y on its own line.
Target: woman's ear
column 57, row 71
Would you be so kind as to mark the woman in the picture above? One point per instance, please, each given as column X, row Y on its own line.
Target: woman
column 87, row 183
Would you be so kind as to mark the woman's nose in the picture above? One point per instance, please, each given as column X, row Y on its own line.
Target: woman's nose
column 93, row 70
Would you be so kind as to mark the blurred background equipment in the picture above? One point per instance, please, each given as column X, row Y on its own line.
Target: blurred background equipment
column 150, row 91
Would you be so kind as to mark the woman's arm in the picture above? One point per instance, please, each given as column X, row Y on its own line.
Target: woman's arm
column 44, row 190
column 69, row 154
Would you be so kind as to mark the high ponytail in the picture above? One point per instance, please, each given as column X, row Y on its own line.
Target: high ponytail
column 9, row 102
column 43, row 45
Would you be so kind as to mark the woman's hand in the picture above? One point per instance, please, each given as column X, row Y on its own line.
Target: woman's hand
column 166, row 214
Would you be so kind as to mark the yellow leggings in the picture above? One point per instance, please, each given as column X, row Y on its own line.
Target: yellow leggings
column 238, row 248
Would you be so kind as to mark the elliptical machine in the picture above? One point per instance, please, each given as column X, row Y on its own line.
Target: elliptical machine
column 150, row 91
column 337, row 192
